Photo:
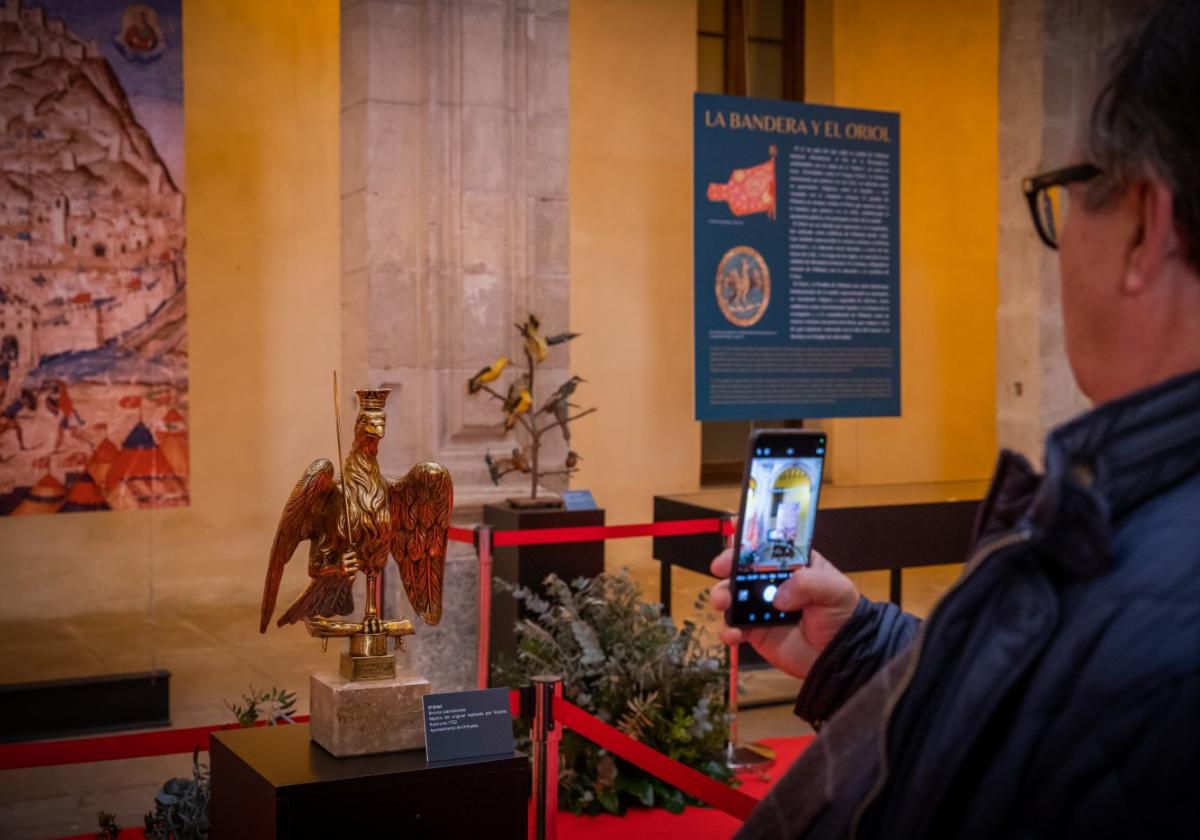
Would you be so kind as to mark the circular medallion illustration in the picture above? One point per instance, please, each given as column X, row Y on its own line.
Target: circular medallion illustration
column 743, row 286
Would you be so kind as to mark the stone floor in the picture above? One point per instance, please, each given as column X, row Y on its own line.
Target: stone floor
column 215, row 654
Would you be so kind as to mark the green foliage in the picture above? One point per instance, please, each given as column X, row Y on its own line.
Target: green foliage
column 274, row 706
column 626, row 663
column 181, row 806
column 109, row 828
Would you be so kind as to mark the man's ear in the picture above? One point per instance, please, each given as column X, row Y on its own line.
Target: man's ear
column 1157, row 240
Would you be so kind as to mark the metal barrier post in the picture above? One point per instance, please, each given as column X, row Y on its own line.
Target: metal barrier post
column 545, row 735
column 483, row 548
column 738, row 758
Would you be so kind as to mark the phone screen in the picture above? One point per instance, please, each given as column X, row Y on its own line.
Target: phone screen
column 775, row 524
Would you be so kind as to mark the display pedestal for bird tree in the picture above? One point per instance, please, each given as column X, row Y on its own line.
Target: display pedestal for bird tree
column 528, row 565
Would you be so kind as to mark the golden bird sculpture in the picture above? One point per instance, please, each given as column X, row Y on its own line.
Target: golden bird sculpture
column 353, row 522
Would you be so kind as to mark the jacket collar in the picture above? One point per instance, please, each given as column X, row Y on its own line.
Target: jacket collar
column 1100, row 467
column 1129, row 450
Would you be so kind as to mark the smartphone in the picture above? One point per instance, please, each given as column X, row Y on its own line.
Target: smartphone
column 774, row 532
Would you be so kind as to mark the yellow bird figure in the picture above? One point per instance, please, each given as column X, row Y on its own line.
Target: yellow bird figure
column 489, row 374
column 524, row 400
column 535, row 342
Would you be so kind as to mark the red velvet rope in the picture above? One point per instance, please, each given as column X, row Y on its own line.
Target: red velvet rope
column 591, row 533
column 111, row 747
column 462, row 535
column 173, row 741
column 692, row 782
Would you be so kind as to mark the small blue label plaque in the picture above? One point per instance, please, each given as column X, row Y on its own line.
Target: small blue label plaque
column 578, row 500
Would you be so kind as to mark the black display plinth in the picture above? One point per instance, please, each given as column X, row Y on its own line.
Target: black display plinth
column 273, row 782
column 528, row 565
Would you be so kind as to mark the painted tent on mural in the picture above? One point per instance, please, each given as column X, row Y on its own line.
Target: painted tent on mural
column 93, row 315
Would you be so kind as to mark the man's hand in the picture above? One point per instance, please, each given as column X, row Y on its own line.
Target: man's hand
column 826, row 596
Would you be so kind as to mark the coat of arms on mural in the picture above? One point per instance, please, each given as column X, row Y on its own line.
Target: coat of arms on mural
column 93, row 318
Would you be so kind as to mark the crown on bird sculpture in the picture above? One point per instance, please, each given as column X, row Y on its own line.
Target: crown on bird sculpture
column 372, row 399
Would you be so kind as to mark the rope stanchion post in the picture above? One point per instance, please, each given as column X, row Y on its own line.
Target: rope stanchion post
column 545, row 736
column 483, row 548
column 731, row 743
column 737, row 758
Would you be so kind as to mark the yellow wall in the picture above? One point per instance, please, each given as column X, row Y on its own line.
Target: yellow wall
column 262, row 172
column 632, row 76
column 261, row 140
column 633, row 71
column 936, row 62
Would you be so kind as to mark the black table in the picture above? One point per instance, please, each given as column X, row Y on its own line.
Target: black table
column 273, row 782
column 881, row 527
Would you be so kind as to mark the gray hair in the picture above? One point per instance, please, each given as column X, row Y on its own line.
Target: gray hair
column 1146, row 119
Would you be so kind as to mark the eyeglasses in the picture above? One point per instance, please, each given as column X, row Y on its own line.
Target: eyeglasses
column 1047, row 196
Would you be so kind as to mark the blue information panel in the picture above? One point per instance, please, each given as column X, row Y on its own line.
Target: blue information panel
column 797, row 257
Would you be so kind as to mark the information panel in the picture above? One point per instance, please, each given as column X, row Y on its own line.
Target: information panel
column 462, row 725
column 797, row 260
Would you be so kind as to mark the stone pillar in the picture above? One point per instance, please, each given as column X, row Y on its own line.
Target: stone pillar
column 1052, row 59
column 454, row 227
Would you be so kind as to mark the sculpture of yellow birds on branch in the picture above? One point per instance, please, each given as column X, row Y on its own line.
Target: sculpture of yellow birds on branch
column 516, row 404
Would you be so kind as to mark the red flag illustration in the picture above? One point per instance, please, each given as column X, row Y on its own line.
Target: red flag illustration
column 748, row 191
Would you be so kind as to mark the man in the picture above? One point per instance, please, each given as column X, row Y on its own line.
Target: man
column 1054, row 691
column 9, row 418
column 59, row 402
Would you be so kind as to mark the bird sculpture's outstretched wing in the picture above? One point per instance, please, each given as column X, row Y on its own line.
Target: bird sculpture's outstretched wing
column 300, row 520
column 421, row 503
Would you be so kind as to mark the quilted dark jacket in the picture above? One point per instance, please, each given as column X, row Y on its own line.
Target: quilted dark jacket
column 1054, row 691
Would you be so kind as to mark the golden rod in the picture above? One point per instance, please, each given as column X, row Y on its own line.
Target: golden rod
column 337, row 428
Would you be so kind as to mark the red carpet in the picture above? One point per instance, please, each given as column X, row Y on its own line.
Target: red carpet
column 693, row 823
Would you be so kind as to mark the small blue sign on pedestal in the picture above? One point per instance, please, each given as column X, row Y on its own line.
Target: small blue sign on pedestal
column 578, row 500
column 464, row 725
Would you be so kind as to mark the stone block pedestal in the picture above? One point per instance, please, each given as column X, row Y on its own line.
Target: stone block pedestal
column 372, row 716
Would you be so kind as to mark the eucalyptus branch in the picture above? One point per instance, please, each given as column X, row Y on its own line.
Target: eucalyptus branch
column 494, row 393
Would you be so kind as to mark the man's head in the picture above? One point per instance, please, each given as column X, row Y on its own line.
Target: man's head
column 1130, row 245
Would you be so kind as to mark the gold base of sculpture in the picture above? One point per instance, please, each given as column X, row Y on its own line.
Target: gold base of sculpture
column 359, row 668
column 368, row 657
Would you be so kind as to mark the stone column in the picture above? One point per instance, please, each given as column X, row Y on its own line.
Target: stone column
column 1052, row 59
column 454, row 227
